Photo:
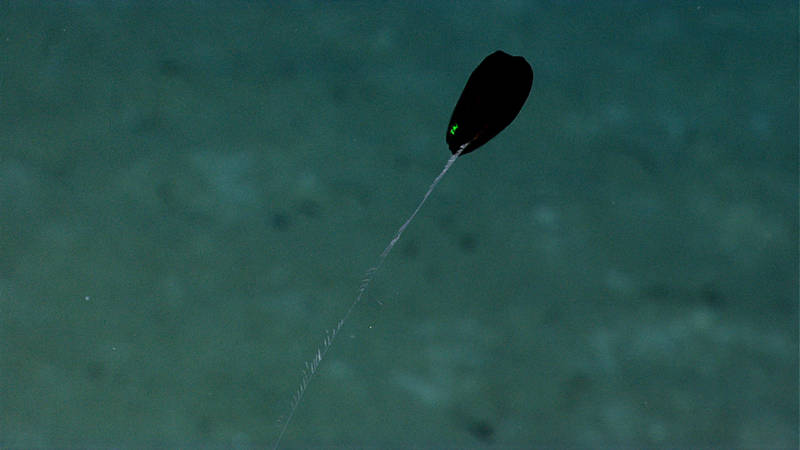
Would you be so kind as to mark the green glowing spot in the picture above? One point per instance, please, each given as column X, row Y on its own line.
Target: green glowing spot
column 453, row 129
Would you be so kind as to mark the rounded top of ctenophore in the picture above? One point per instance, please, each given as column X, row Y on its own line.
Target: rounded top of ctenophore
column 492, row 98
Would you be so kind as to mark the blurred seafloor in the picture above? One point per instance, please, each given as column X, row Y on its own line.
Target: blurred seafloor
column 190, row 195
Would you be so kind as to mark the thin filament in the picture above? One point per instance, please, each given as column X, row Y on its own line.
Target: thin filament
column 330, row 335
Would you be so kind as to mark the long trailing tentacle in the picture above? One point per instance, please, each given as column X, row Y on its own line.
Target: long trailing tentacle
column 312, row 365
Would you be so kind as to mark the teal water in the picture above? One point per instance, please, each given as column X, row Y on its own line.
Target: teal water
column 190, row 195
